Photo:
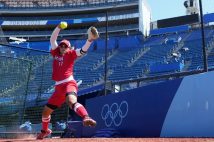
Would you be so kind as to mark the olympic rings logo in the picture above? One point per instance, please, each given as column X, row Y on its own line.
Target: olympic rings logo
column 115, row 113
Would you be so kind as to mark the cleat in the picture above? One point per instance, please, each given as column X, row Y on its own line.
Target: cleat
column 87, row 121
column 44, row 134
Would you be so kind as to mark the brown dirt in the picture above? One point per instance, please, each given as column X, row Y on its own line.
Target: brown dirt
column 111, row 140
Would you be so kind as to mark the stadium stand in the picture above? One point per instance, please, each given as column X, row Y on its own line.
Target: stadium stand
column 132, row 55
column 58, row 3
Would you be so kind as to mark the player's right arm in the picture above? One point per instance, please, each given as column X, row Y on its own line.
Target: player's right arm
column 53, row 39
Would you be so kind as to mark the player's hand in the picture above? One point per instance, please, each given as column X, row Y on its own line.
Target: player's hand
column 63, row 25
column 92, row 34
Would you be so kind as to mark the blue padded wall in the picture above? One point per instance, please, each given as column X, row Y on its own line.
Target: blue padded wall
column 177, row 108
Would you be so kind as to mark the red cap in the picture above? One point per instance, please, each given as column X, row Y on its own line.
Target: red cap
column 65, row 42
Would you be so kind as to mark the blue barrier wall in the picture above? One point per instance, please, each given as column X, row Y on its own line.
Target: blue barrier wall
column 192, row 110
column 175, row 66
column 177, row 108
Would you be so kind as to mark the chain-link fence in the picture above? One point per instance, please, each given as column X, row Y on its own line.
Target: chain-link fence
column 14, row 76
column 25, row 86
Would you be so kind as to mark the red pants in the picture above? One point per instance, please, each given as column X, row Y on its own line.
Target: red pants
column 59, row 96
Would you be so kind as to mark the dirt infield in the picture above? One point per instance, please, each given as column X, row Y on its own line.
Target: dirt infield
column 112, row 140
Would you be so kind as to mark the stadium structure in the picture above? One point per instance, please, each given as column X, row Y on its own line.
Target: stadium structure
column 141, row 78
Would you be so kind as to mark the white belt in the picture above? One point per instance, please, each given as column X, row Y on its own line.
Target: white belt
column 65, row 80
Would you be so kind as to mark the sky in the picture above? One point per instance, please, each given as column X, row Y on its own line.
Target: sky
column 162, row 9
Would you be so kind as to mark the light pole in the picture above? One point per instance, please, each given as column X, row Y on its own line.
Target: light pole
column 203, row 38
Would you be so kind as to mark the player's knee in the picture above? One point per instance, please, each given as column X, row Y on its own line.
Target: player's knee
column 71, row 99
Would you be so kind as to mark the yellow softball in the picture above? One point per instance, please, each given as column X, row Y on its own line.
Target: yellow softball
column 63, row 25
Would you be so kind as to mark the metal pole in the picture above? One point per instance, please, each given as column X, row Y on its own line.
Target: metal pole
column 203, row 38
column 106, row 54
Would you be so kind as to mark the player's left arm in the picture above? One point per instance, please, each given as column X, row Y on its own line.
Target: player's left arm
column 92, row 35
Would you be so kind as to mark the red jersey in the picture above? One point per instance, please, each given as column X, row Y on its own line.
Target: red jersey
column 63, row 64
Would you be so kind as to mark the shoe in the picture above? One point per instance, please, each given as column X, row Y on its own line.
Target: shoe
column 87, row 121
column 44, row 134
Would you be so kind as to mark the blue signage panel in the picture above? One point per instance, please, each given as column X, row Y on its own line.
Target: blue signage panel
column 135, row 113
